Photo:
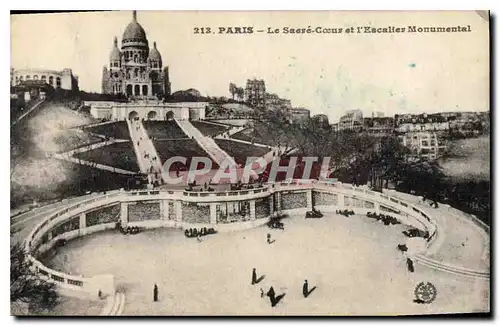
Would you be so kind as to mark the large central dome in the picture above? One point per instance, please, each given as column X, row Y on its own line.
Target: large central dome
column 134, row 31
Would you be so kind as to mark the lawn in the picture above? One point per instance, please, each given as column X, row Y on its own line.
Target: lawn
column 117, row 130
column 73, row 138
column 119, row 155
column 259, row 133
column 164, row 130
column 51, row 178
column 187, row 148
column 209, row 129
column 468, row 159
column 240, row 151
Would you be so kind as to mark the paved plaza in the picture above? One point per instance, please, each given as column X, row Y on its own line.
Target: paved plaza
column 354, row 262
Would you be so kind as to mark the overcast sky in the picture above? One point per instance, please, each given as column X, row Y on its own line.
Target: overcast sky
column 326, row 73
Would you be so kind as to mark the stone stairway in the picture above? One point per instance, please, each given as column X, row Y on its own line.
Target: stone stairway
column 207, row 143
column 114, row 305
column 145, row 151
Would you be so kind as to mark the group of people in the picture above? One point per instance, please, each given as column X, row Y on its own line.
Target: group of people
column 314, row 214
column 128, row 229
column 345, row 212
column 414, row 232
column 271, row 294
column 387, row 219
column 432, row 203
column 193, row 232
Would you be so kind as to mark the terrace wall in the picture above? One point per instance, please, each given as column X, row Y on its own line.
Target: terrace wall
column 198, row 210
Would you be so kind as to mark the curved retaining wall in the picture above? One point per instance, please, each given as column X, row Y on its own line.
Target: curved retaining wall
column 41, row 240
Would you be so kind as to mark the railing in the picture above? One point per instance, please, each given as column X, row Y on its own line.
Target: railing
column 294, row 184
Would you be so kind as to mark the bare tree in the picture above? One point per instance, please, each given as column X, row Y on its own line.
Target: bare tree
column 232, row 89
column 26, row 286
column 240, row 92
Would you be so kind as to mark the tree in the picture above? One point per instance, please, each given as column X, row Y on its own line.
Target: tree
column 240, row 92
column 26, row 286
column 232, row 89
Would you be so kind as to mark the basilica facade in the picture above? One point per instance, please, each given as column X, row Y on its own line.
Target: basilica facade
column 135, row 70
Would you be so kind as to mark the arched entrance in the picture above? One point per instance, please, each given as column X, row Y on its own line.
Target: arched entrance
column 169, row 116
column 137, row 90
column 129, row 90
column 132, row 115
column 152, row 115
column 144, row 89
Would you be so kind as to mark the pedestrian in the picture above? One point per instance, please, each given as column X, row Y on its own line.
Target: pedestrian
column 271, row 294
column 254, row 276
column 409, row 263
column 155, row 293
column 305, row 289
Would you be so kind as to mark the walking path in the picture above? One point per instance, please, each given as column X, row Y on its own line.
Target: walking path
column 456, row 233
column 224, row 136
column 33, row 108
column 147, row 157
column 207, row 144
column 92, row 164
column 87, row 148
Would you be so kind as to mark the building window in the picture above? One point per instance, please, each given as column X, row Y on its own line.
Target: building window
column 51, row 80
column 58, row 82
column 44, row 78
column 21, row 78
column 35, row 77
column 28, row 77
column 425, row 143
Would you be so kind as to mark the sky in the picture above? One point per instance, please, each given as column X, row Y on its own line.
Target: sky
column 325, row 73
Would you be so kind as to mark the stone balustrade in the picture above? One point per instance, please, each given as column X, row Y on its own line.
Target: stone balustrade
column 183, row 209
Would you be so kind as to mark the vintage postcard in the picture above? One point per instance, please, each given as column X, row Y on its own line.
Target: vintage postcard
column 195, row 163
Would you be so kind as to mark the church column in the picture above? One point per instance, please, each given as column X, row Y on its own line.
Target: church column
column 213, row 213
column 252, row 209
column 341, row 200
column 278, row 201
column 83, row 223
column 124, row 213
column 164, row 209
column 309, row 200
column 271, row 204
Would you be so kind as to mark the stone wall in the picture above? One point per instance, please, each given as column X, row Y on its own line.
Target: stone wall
column 105, row 215
column 293, row 200
column 143, row 211
column 323, row 199
column 195, row 213
column 262, row 209
column 69, row 225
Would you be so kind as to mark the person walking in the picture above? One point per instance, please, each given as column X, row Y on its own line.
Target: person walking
column 155, row 293
column 254, row 276
column 305, row 289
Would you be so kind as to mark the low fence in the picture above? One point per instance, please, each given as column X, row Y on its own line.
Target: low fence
column 408, row 213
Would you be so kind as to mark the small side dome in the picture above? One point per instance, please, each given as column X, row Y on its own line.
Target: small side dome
column 154, row 54
column 115, row 52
